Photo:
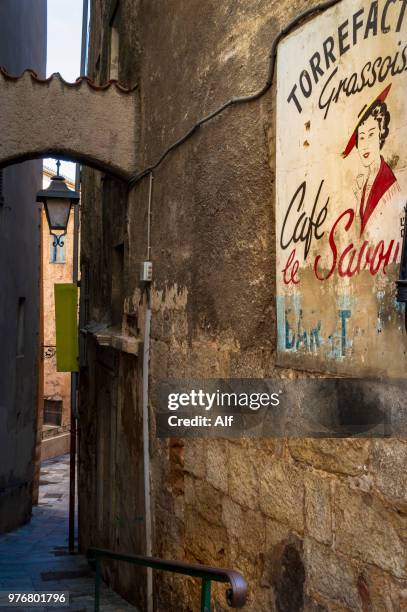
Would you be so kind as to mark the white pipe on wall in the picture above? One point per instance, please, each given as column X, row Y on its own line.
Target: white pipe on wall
column 146, row 452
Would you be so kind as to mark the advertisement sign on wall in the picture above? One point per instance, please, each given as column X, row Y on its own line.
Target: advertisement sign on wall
column 342, row 190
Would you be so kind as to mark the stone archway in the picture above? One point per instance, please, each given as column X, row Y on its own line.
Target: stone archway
column 81, row 121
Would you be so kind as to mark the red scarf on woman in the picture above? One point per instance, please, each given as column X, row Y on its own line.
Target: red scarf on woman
column 383, row 181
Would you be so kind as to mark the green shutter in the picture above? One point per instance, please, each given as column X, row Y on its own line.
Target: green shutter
column 66, row 323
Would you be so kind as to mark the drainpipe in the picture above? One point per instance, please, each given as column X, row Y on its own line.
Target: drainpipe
column 146, row 414
column 75, row 275
column 146, row 451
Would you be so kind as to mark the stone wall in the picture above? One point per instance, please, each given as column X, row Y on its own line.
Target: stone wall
column 22, row 45
column 312, row 524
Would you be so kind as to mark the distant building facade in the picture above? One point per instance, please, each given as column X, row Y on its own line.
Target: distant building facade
column 23, row 27
column 56, row 268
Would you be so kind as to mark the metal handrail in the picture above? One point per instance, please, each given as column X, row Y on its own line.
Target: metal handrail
column 235, row 596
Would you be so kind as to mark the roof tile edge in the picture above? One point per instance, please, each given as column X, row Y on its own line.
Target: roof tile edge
column 77, row 83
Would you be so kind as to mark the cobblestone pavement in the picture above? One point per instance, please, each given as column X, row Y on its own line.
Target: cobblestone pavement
column 34, row 558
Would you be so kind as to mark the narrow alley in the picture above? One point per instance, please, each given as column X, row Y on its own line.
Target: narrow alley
column 35, row 557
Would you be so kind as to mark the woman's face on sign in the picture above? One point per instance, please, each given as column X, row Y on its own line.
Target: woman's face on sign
column 369, row 142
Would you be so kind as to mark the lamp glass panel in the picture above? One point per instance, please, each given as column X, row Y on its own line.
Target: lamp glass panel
column 58, row 213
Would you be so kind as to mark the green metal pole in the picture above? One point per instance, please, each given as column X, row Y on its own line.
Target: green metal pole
column 97, row 585
column 206, row 595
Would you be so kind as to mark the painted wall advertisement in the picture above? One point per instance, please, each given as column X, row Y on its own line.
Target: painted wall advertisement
column 342, row 190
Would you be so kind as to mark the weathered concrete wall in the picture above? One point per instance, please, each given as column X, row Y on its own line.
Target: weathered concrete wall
column 313, row 525
column 22, row 44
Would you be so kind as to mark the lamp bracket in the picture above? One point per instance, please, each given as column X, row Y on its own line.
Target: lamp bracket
column 58, row 239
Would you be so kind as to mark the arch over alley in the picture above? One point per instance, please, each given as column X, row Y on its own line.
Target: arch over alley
column 84, row 122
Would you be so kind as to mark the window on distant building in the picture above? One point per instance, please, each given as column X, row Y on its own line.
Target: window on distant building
column 114, row 44
column 53, row 412
column 58, row 253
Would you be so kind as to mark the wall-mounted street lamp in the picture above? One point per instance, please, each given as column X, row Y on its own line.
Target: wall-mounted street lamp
column 58, row 200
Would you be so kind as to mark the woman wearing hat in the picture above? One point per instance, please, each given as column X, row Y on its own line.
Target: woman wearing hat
column 369, row 137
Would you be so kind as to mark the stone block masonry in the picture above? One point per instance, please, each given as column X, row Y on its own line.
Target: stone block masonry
column 314, row 525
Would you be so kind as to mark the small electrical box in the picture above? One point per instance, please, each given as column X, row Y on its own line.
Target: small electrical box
column 146, row 271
